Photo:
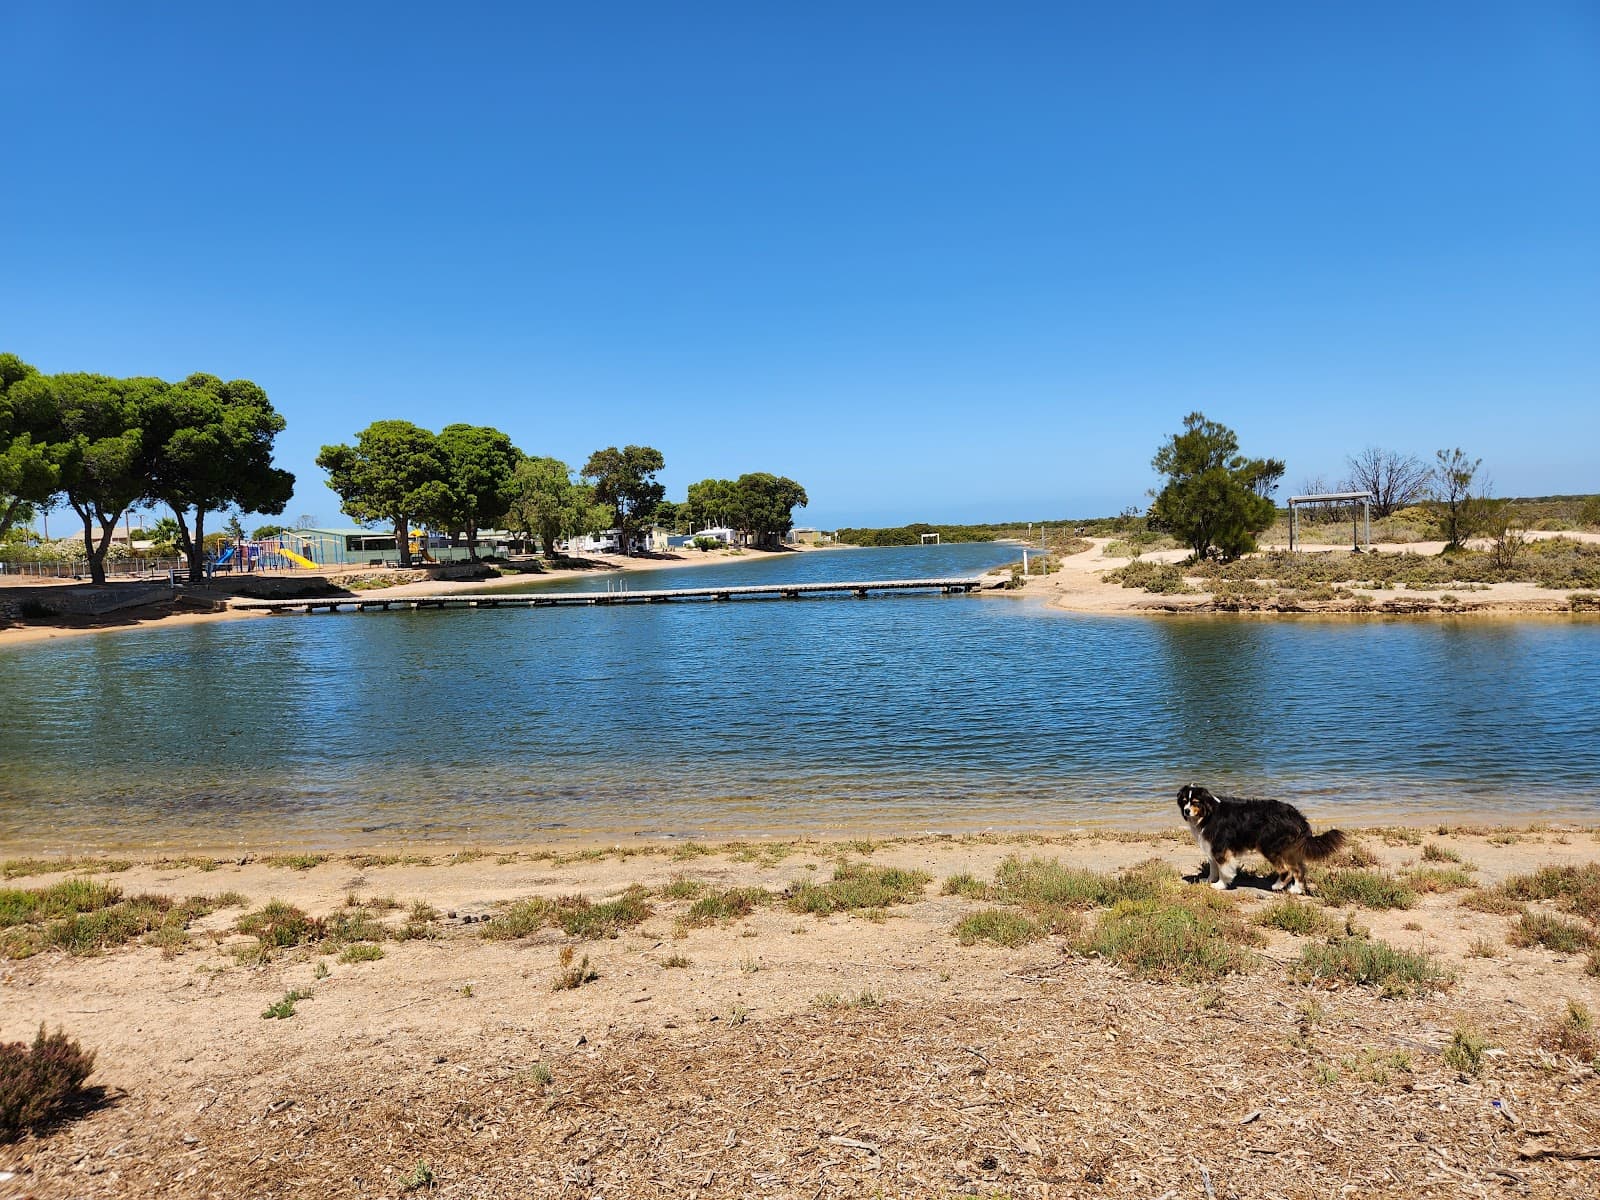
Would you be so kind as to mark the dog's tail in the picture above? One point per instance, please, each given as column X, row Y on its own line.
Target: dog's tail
column 1324, row 845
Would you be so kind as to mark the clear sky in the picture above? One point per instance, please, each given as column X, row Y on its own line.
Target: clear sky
column 935, row 261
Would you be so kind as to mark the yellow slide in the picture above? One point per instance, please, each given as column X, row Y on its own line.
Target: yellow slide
column 299, row 560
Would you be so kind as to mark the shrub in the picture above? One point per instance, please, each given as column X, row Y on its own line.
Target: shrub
column 361, row 952
column 1435, row 853
column 38, row 1082
column 1161, row 578
column 1394, row 972
column 572, row 975
column 282, row 1010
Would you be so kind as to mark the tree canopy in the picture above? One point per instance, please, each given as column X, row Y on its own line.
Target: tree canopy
column 625, row 482
column 480, row 463
column 764, row 504
column 394, row 473
column 29, row 471
column 209, row 445
column 1215, row 499
column 550, row 505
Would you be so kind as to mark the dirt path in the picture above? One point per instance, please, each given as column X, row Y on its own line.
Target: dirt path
column 780, row 1053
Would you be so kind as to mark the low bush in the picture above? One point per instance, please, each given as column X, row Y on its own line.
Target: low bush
column 728, row 904
column 1466, row 1051
column 998, row 927
column 277, row 924
column 1572, row 1033
column 39, row 1082
column 1572, row 889
column 1164, row 579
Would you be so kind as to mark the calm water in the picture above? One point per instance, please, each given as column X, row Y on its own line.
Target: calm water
column 890, row 715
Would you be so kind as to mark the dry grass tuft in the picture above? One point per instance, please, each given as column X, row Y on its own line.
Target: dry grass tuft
column 1369, row 889
column 1572, row 1032
column 1190, row 938
column 1376, row 964
column 576, row 915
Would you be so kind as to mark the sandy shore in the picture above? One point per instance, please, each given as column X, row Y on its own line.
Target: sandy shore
column 781, row 1053
column 1079, row 587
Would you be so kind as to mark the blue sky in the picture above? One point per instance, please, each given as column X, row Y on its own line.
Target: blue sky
column 935, row 261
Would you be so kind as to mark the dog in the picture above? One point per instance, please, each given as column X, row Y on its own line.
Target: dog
column 1226, row 827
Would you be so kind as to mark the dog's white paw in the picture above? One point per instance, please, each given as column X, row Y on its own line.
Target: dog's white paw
column 1220, row 885
column 1280, row 885
column 1295, row 889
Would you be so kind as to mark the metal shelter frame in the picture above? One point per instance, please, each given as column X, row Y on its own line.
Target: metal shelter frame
column 1332, row 498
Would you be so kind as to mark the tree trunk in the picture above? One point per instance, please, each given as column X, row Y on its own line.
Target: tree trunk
column 197, row 559
column 9, row 516
column 97, row 566
column 402, row 541
column 472, row 541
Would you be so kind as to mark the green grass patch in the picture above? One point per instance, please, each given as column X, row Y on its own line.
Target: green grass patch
column 725, row 905
column 282, row 1010
column 1046, row 882
column 1465, row 1053
column 1553, row 933
column 1302, row 920
column 1191, row 939
column 1375, row 964
column 966, row 885
column 83, row 917
column 858, row 886
column 276, row 924
column 1572, row 889
column 1438, row 879
column 296, row 862
column 683, row 888
column 15, row 868
column 359, row 952
column 1368, row 889
column 997, row 927
column 1435, row 853
column 577, row 916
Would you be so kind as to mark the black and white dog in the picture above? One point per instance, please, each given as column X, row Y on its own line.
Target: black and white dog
column 1227, row 827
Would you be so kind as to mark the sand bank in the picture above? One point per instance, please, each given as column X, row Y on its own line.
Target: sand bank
column 776, row 1052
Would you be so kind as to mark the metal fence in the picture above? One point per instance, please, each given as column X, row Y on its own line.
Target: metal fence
column 116, row 568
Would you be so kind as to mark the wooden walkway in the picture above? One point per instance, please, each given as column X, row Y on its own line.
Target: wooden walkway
column 784, row 591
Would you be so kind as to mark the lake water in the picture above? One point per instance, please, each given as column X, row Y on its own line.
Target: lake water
column 887, row 715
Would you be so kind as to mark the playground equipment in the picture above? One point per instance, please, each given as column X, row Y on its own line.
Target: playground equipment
column 419, row 547
column 299, row 560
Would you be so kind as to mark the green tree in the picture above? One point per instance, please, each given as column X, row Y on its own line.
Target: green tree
column 1215, row 499
column 764, row 504
column 29, row 472
column 625, row 482
column 709, row 502
column 262, row 532
column 209, row 445
column 480, row 463
column 104, row 469
column 392, row 473
column 1462, row 510
column 549, row 505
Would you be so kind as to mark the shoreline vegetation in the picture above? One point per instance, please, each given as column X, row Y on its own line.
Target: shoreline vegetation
column 1010, row 1015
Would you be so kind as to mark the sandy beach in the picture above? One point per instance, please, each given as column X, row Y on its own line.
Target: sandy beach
column 754, row 1046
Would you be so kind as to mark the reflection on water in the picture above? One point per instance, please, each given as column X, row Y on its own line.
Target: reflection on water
column 891, row 714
